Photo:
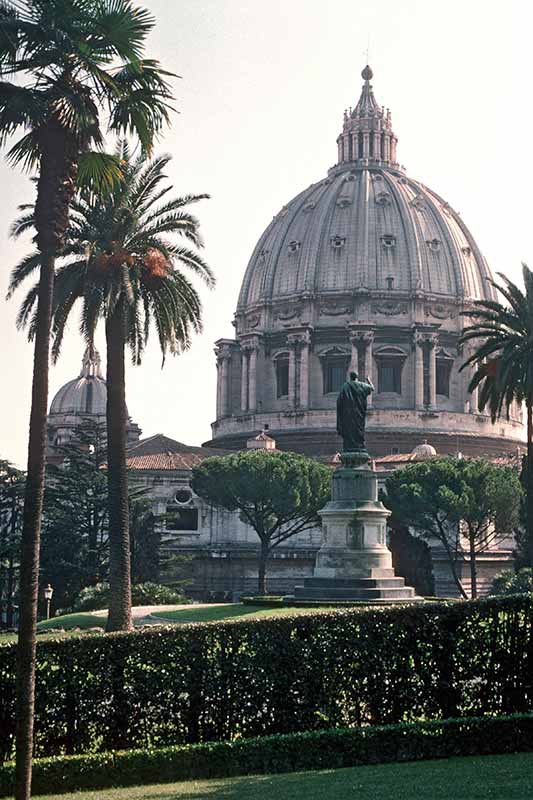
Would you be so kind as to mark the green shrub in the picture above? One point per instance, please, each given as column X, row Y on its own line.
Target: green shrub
column 93, row 598
column 254, row 677
column 263, row 600
column 510, row 582
column 281, row 753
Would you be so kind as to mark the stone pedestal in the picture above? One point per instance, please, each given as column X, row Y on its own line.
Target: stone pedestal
column 354, row 563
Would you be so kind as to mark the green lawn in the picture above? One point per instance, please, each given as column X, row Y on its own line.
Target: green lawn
column 228, row 611
column 81, row 620
column 508, row 777
column 67, row 623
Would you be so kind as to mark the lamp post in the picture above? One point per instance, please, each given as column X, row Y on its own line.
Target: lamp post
column 48, row 592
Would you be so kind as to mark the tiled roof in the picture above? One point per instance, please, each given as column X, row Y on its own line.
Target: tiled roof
column 399, row 458
column 162, row 453
column 167, row 461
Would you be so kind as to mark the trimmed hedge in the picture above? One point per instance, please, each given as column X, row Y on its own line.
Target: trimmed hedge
column 294, row 752
column 254, row 677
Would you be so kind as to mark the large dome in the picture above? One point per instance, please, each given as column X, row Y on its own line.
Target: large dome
column 366, row 269
column 86, row 394
column 365, row 227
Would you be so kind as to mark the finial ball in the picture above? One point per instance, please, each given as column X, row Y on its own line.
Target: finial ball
column 367, row 73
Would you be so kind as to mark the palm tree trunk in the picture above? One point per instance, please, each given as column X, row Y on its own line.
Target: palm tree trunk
column 31, row 532
column 119, row 618
column 55, row 189
column 529, row 477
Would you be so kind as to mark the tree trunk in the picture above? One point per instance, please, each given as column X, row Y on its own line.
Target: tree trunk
column 92, row 543
column 451, row 559
column 10, row 594
column 529, row 488
column 119, row 618
column 473, row 567
column 55, row 189
column 263, row 558
column 31, row 532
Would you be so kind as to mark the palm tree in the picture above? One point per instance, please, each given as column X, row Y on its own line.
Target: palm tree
column 120, row 264
column 67, row 61
column 503, row 363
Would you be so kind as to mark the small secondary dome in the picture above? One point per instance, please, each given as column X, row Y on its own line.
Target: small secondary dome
column 86, row 394
column 424, row 450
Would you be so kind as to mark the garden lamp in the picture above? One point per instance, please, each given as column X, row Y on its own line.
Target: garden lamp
column 48, row 592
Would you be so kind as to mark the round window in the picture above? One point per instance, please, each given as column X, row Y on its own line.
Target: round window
column 183, row 496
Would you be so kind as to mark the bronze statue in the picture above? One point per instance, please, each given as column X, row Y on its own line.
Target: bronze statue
column 351, row 412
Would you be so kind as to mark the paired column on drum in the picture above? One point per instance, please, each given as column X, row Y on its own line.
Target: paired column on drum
column 425, row 347
column 223, row 351
column 299, row 344
column 249, row 350
column 362, row 360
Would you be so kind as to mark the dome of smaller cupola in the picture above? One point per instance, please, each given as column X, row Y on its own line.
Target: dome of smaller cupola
column 424, row 450
column 87, row 393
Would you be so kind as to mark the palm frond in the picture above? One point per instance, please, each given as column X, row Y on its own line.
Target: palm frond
column 99, row 172
column 26, row 267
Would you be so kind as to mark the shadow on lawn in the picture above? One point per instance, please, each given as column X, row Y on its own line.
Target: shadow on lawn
column 261, row 787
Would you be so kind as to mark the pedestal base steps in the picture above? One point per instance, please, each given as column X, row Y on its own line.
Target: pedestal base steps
column 354, row 564
column 373, row 588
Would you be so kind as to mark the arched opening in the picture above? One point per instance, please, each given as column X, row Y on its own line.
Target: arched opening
column 281, row 366
column 335, row 365
column 390, row 361
column 444, row 364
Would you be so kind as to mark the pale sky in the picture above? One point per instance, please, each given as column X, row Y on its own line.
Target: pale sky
column 261, row 96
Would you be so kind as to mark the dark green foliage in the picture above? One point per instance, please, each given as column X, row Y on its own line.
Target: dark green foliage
column 93, row 598
column 12, row 483
column 145, row 539
column 277, row 494
column 326, row 749
column 411, row 558
column 74, row 540
column 510, row 582
column 208, row 682
column 467, row 504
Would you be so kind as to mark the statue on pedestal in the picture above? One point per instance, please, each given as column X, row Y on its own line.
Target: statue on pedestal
column 354, row 563
column 351, row 412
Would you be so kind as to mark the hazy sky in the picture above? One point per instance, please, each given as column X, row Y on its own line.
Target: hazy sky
column 261, row 97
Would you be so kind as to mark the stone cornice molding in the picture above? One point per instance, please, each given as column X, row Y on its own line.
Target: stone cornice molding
column 299, row 335
column 365, row 337
column 333, row 350
column 421, row 338
column 390, row 351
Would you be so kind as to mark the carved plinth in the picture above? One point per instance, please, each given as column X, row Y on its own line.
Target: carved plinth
column 354, row 562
